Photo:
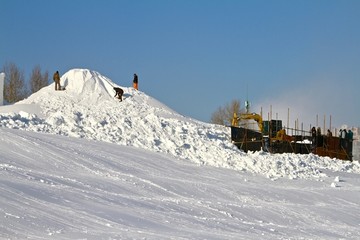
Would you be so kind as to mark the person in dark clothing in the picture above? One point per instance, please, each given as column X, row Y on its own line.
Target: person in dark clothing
column 313, row 132
column 343, row 141
column 329, row 133
column 135, row 82
column 318, row 131
column 344, row 133
column 56, row 79
column 118, row 93
column 313, row 137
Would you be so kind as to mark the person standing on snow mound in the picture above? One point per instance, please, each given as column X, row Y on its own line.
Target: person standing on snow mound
column 135, row 82
column 56, row 79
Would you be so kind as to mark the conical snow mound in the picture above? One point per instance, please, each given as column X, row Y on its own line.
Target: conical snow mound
column 84, row 81
column 82, row 86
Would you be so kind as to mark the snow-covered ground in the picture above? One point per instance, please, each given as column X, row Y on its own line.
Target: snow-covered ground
column 138, row 170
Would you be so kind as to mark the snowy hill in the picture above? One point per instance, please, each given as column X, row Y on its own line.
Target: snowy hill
column 138, row 170
column 88, row 109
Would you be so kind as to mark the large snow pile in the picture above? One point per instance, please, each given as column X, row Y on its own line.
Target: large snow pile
column 88, row 109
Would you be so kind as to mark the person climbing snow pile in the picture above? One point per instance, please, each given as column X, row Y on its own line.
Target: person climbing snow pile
column 118, row 93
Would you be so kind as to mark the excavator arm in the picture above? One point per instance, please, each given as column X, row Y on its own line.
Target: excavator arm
column 247, row 116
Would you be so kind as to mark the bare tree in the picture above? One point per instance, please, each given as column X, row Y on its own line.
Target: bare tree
column 38, row 80
column 218, row 116
column 14, row 89
column 224, row 115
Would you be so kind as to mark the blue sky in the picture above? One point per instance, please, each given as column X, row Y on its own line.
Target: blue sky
column 197, row 55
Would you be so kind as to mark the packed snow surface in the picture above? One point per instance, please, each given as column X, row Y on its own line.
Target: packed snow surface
column 143, row 171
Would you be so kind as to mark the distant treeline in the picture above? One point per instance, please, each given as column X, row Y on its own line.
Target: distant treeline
column 15, row 86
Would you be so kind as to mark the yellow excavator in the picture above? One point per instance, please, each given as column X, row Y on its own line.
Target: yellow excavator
column 247, row 116
column 280, row 135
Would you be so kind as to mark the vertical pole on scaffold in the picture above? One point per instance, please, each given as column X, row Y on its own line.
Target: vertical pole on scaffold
column 288, row 117
column 330, row 124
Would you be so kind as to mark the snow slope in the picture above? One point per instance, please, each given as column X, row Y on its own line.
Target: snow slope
column 56, row 187
column 87, row 109
column 138, row 170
